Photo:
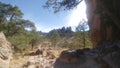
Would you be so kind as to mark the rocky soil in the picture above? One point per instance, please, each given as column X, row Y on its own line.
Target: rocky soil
column 45, row 59
column 105, row 55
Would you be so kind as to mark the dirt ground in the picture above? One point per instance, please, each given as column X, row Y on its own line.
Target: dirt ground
column 46, row 59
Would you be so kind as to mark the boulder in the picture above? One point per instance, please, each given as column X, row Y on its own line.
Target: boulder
column 103, row 56
column 5, row 51
column 70, row 59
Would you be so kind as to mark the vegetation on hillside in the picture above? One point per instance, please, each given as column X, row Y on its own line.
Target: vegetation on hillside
column 19, row 31
column 23, row 35
column 65, row 37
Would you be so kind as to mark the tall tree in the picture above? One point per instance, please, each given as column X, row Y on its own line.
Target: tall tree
column 7, row 14
column 81, row 32
column 54, row 38
column 14, row 13
column 20, row 26
column 8, row 11
column 4, row 11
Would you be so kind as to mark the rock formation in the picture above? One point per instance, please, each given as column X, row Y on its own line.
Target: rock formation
column 40, row 59
column 103, row 18
column 104, row 56
column 5, row 52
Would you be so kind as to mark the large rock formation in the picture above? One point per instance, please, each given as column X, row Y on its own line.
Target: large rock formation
column 103, row 18
column 5, row 52
column 94, row 21
column 104, row 56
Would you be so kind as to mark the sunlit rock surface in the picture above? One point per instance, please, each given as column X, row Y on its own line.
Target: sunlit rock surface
column 5, row 52
column 43, row 58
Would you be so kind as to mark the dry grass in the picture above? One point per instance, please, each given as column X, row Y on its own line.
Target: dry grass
column 19, row 60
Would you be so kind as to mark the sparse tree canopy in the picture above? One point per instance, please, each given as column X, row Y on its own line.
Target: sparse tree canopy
column 58, row 5
column 17, row 30
column 9, row 12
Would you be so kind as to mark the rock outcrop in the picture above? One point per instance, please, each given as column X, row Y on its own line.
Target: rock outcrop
column 104, row 56
column 5, row 51
column 94, row 21
column 103, row 18
column 40, row 59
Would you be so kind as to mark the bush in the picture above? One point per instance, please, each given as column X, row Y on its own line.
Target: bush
column 22, row 41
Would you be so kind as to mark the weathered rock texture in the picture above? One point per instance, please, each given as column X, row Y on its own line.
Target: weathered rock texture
column 5, row 52
column 40, row 59
column 104, row 56
column 104, row 20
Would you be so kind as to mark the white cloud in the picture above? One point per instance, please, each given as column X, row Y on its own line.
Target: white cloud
column 77, row 15
column 41, row 27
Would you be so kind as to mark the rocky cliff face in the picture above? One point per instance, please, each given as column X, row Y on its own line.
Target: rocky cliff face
column 5, row 52
column 94, row 21
column 103, row 18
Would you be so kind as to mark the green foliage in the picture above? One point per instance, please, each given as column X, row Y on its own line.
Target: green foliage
column 82, row 38
column 11, row 21
column 55, row 37
column 23, row 35
column 58, row 37
column 58, row 5
column 22, row 41
column 66, row 38
column 19, row 31
column 66, row 45
column 19, row 41
column 9, row 12
column 36, row 36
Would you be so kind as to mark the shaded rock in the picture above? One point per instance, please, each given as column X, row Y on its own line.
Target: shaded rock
column 105, row 55
column 37, row 52
column 5, row 52
column 72, row 60
column 103, row 18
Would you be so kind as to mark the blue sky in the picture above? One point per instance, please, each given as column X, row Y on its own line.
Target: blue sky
column 44, row 19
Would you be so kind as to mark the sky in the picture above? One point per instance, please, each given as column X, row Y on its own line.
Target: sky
column 45, row 19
